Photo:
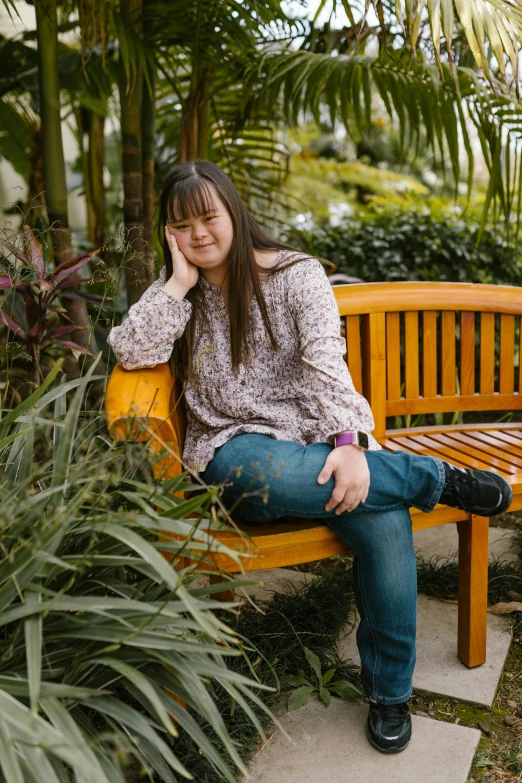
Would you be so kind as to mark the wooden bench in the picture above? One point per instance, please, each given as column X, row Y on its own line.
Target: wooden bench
column 412, row 349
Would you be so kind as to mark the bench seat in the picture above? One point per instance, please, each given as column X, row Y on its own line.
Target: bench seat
column 496, row 447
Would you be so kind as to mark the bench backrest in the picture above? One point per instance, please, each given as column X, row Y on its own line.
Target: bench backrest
column 426, row 347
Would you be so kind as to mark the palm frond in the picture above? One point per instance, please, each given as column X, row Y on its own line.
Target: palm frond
column 490, row 26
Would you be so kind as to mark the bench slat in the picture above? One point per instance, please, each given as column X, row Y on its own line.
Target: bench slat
column 487, row 448
column 471, row 402
column 423, row 444
column 469, row 449
column 393, row 355
column 506, row 437
column 376, row 373
column 353, row 350
column 448, row 353
column 429, row 354
column 467, row 353
column 507, row 354
column 411, row 354
column 487, row 353
column 519, row 346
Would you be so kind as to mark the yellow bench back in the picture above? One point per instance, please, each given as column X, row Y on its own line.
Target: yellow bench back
column 427, row 347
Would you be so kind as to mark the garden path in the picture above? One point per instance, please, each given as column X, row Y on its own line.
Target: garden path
column 329, row 745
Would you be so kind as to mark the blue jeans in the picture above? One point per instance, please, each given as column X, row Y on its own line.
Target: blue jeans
column 268, row 479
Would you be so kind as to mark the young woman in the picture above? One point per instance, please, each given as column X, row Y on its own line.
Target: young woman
column 252, row 328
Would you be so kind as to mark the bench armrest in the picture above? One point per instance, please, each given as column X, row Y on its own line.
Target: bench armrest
column 145, row 405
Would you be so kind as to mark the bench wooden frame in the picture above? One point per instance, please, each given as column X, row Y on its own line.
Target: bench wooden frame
column 412, row 348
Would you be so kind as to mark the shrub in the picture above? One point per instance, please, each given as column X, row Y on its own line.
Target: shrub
column 100, row 637
column 415, row 246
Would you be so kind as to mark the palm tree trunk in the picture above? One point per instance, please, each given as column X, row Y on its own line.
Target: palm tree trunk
column 195, row 120
column 148, row 137
column 194, row 135
column 204, row 113
column 53, row 165
column 34, row 209
column 95, row 165
column 139, row 272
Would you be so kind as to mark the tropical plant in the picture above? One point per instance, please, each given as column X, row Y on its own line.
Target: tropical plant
column 107, row 650
column 228, row 78
column 319, row 686
column 31, row 311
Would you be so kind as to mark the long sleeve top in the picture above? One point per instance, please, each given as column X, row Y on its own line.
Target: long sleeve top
column 303, row 392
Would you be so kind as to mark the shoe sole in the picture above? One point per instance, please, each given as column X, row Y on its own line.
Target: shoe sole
column 384, row 750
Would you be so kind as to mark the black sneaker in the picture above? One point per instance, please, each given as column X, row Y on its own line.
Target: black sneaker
column 480, row 492
column 388, row 727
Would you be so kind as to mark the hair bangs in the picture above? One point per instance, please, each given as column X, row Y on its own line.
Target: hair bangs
column 190, row 197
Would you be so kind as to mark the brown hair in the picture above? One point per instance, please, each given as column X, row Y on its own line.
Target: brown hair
column 186, row 193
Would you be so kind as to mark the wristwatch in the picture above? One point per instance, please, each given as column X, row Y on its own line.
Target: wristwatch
column 354, row 438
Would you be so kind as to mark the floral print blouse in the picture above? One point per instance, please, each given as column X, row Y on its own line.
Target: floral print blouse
column 303, row 392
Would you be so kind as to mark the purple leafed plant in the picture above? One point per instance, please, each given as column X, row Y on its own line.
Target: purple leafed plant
column 37, row 324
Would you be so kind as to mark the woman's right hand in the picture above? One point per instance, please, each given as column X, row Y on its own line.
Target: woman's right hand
column 184, row 274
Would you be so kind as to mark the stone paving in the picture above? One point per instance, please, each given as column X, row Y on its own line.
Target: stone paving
column 438, row 669
column 328, row 745
column 443, row 541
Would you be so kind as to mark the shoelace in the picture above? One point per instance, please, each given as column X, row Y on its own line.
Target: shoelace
column 459, row 482
column 393, row 714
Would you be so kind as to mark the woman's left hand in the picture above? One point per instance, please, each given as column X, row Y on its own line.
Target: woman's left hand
column 352, row 478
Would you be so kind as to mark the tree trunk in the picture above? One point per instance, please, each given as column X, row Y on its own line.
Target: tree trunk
column 195, row 120
column 148, row 136
column 204, row 113
column 95, row 166
column 139, row 272
column 188, row 134
column 194, row 135
column 53, row 165
column 35, row 205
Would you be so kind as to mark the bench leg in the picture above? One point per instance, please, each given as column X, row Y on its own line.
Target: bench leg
column 473, row 590
column 226, row 595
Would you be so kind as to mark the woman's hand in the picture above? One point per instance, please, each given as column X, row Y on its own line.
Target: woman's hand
column 184, row 274
column 352, row 478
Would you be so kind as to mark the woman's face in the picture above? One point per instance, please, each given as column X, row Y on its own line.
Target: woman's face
column 205, row 240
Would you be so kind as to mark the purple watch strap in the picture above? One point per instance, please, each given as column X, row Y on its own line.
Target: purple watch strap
column 345, row 439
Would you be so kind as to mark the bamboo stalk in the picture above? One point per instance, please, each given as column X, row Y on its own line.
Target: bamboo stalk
column 53, row 164
column 138, row 269
column 148, row 136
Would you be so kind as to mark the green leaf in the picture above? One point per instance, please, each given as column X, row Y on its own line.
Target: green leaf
column 8, row 760
column 33, row 649
column 139, row 724
column 324, row 695
column 86, row 763
column 295, row 679
column 345, row 690
column 328, row 676
column 33, row 728
column 315, row 663
column 64, row 447
column 28, row 403
column 299, row 697
column 41, row 767
column 144, row 685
